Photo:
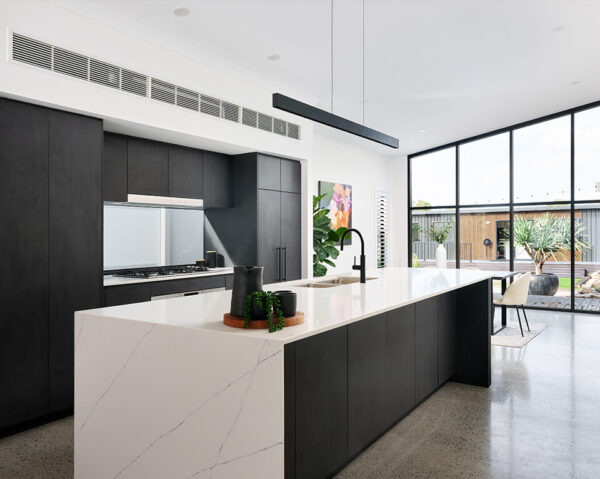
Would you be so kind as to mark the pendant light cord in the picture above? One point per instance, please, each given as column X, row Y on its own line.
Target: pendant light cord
column 363, row 61
column 331, row 56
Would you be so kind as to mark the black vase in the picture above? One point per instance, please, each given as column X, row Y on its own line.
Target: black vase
column 258, row 313
column 287, row 302
column 246, row 280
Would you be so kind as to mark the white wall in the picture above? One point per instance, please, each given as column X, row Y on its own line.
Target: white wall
column 368, row 171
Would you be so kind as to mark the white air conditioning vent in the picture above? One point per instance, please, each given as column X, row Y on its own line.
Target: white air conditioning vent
column 163, row 91
column 210, row 105
column 50, row 57
column 70, row 63
column 265, row 122
column 249, row 117
column 188, row 98
column 293, row 131
column 31, row 51
column 133, row 82
column 105, row 73
column 279, row 126
column 230, row 111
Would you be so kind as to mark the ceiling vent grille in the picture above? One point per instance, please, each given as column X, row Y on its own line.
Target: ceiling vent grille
column 69, row 63
column 230, row 111
column 279, row 126
column 43, row 55
column 249, row 117
column 133, row 82
column 105, row 73
column 31, row 51
column 188, row 98
column 265, row 122
column 163, row 91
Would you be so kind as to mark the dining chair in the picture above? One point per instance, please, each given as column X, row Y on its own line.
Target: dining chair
column 515, row 296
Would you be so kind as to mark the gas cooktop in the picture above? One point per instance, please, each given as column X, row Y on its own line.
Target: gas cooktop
column 161, row 271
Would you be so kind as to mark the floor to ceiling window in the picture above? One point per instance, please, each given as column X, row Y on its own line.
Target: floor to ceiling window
column 525, row 198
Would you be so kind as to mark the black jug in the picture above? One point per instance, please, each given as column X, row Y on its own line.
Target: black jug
column 246, row 280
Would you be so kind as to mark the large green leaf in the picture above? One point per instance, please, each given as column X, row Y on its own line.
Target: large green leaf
column 332, row 251
column 319, row 214
column 319, row 270
column 329, row 262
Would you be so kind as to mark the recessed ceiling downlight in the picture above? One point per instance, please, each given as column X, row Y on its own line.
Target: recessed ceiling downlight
column 422, row 130
column 181, row 12
column 274, row 57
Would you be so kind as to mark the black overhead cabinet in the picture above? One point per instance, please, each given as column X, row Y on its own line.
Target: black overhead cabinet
column 145, row 167
column 51, row 258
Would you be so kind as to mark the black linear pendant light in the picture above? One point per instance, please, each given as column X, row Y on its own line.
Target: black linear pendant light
column 295, row 107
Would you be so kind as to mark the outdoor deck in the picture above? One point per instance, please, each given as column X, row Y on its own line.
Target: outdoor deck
column 563, row 302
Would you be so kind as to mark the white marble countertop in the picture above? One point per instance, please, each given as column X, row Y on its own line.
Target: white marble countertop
column 324, row 308
column 110, row 280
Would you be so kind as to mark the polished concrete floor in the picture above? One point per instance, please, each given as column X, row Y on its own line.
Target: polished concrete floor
column 540, row 419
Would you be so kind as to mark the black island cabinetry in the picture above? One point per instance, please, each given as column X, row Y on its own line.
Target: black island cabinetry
column 346, row 387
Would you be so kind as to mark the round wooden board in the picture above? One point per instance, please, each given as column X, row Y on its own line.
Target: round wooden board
column 238, row 321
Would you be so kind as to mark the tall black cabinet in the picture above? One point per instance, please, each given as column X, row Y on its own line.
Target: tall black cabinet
column 264, row 225
column 51, row 261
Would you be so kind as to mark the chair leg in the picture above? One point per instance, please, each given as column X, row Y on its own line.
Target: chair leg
column 520, row 325
column 525, row 316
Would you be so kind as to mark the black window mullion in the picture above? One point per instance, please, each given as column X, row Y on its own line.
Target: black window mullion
column 457, row 208
column 410, row 253
column 511, row 208
column 573, row 251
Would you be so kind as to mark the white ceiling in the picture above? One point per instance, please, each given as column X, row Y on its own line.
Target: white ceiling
column 453, row 68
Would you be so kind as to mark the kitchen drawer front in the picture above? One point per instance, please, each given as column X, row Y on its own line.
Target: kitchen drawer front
column 126, row 294
column 160, row 288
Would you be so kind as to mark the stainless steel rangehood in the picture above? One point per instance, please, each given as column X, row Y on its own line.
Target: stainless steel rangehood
column 164, row 201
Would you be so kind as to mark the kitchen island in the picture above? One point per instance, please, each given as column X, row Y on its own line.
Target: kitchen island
column 164, row 389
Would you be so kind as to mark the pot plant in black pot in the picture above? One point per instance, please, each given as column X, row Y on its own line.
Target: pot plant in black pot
column 545, row 238
column 263, row 305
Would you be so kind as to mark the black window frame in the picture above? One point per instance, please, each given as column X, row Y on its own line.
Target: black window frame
column 572, row 203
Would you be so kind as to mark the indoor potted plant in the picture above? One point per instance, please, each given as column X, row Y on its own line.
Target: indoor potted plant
column 543, row 238
column 439, row 234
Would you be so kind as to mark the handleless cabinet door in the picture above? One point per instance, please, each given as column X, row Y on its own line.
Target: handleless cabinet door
column 290, row 236
column 269, row 173
column 269, row 236
column 399, row 362
column 447, row 331
column 23, row 262
column 75, row 239
column 147, row 167
column 290, row 176
column 218, row 180
column 321, row 404
column 114, row 168
column 185, row 172
column 366, row 382
column 426, row 347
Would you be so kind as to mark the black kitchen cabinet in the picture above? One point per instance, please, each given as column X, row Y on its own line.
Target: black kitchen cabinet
column 447, row 334
column 126, row 294
column 270, row 254
column 290, row 176
column 400, row 330
column 114, row 168
column 269, row 172
column 23, row 262
column 160, row 288
column 321, row 405
column 291, row 248
column 426, row 347
column 147, row 167
column 75, row 239
column 218, row 173
column 366, row 382
column 185, row 172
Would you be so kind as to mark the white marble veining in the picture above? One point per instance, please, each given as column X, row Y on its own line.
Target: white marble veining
column 110, row 280
column 164, row 390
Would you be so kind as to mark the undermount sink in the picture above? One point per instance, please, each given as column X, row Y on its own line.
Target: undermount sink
column 330, row 283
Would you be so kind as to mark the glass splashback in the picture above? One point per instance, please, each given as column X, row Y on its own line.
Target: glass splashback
column 139, row 237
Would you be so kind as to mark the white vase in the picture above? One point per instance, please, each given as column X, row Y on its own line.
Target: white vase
column 440, row 256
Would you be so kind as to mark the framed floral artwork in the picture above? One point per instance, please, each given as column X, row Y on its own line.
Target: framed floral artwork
column 338, row 199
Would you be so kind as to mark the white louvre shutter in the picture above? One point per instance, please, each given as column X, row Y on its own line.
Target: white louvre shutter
column 381, row 219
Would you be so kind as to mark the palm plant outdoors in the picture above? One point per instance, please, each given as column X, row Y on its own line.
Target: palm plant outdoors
column 545, row 238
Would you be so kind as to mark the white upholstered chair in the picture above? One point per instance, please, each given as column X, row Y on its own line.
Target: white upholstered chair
column 515, row 296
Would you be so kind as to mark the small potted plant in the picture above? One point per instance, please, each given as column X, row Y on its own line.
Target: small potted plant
column 439, row 234
column 263, row 305
column 545, row 238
